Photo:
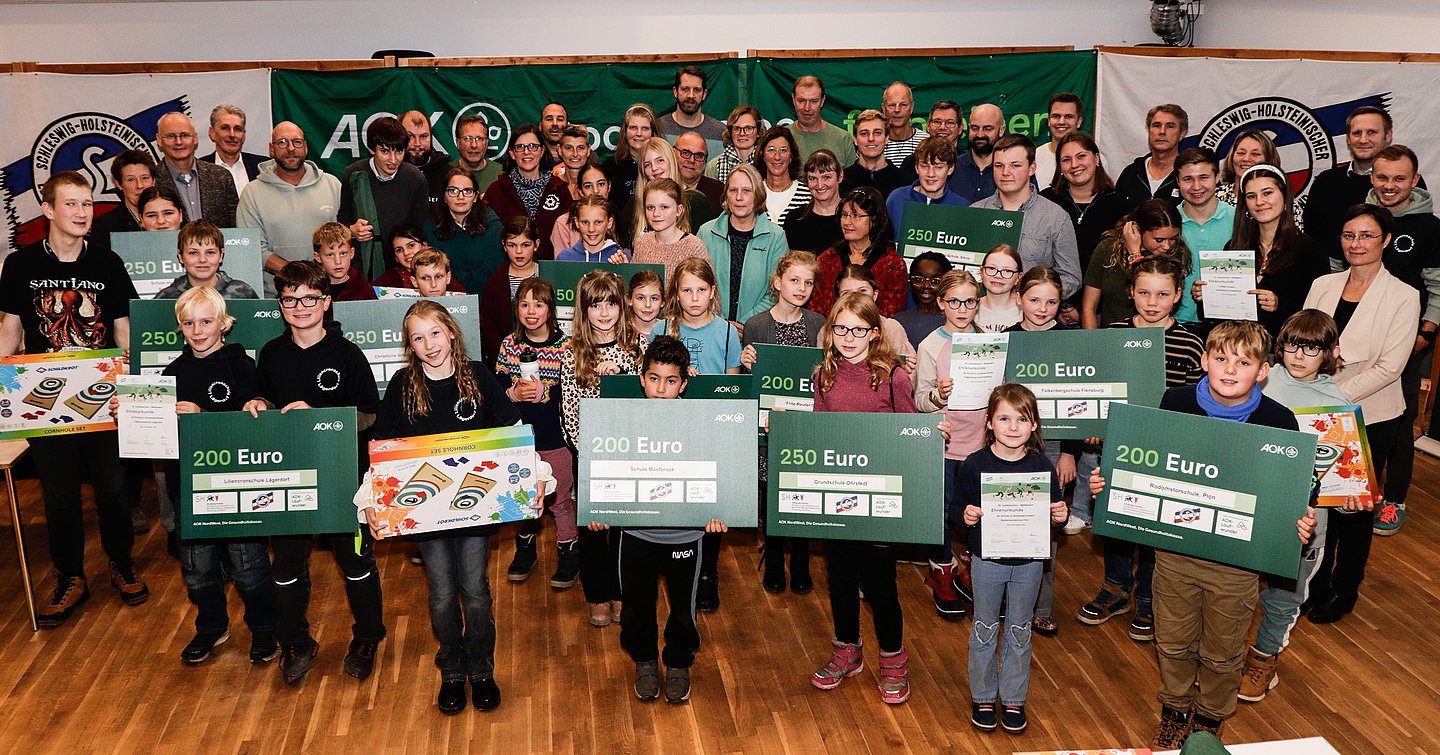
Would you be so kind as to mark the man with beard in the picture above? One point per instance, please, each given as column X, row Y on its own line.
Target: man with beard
column 974, row 178
column 472, row 140
column 1153, row 175
column 898, row 105
column 810, row 130
column 420, row 151
column 553, row 120
column 690, row 150
column 288, row 200
column 690, row 89
column 207, row 189
column 227, row 133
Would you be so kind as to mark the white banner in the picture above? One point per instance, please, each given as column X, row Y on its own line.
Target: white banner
column 50, row 122
column 1302, row 104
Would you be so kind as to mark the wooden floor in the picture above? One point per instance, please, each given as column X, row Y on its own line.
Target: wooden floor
column 111, row 679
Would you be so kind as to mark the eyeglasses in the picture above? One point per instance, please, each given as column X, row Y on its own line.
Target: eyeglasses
column 459, row 191
column 472, row 139
column 1348, row 237
column 744, row 129
column 921, row 280
column 999, row 272
column 525, row 147
column 309, row 302
column 297, row 143
column 841, row 331
column 945, row 123
column 854, row 215
column 686, row 154
column 777, row 150
column 954, row 303
column 1308, row 349
column 176, row 137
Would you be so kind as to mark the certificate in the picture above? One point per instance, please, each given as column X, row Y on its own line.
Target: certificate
column 675, row 463
column 1343, row 466
column 565, row 276
column 146, row 417
column 964, row 235
column 433, row 483
column 1228, row 276
column 977, row 365
column 1016, row 523
column 1223, row 491
column 57, row 393
column 844, row 476
column 152, row 262
column 1077, row 376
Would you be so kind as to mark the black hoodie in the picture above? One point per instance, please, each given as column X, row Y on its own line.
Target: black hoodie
column 221, row 382
column 332, row 373
column 1134, row 183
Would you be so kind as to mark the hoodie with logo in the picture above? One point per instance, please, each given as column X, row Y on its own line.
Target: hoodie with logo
column 220, row 382
column 1413, row 255
column 331, row 373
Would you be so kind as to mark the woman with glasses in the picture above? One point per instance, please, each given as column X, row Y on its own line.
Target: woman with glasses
column 817, row 227
column 866, row 241
column 1377, row 315
column 133, row 171
column 742, row 130
column 467, row 231
column 524, row 189
column 1084, row 190
column 777, row 157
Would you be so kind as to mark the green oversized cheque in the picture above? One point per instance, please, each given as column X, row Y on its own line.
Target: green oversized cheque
column 155, row 338
column 677, row 463
column 1078, row 375
column 962, row 234
column 565, row 276
column 785, row 378
column 845, row 476
column 278, row 474
column 150, row 257
column 1223, row 491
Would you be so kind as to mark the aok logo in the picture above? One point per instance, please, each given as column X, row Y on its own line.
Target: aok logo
column 1141, row 344
column 737, row 418
column 923, row 432
column 727, row 389
column 238, row 241
column 266, row 314
column 1185, row 516
column 337, row 426
column 1272, row 448
column 1002, row 223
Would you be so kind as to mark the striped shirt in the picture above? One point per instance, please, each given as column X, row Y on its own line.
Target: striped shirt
column 1182, row 353
column 897, row 151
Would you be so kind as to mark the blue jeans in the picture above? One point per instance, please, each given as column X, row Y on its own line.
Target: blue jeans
column 249, row 567
column 1130, row 567
column 1018, row 586
column 945, row 552
column 460, row 606
column 1279, row 605
column 1082, row 504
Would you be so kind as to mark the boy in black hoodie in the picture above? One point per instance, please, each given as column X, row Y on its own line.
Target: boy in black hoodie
column 311, row 365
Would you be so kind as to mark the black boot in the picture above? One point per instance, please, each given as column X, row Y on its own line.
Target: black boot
column 773, row 560
column 525, row 559
column 567, row 565
column 800, row 582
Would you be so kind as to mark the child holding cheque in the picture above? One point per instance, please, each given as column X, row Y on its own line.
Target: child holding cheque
column 647, row 554
column 1013, row 447
column 441, row 391
column 860, row 374
column 312, row 365
column 959, row 298
column 1203, row 608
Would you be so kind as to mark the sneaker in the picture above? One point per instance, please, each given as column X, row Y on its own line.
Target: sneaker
column 1012, row 717
column 1174, row 727
column 263, row 648
column 895, row 677
column 360, row 659
column 416, row 558
column 132, row 589
column 677, row 685
column 845, row 660
column 1201, row 723
column 1142, row 624
column 1106, row 606
column 70, row 592
column 1075, row 525
column 707, row 594
column 982, row 716
column 567, row 565
column 941, row 582
column 600, row 614
column 1045, row 626
column 647, row 680
column 615, row 607
column 295, row 660
column 1388, row 518
column 138, row 523
column 525, row 559
column 204, row 643
column 1259, row 676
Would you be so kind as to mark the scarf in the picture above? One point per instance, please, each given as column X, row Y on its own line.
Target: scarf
column 530, row 191
column 1218, row 410
column 371, row 257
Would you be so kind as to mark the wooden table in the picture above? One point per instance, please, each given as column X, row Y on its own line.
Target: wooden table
column 10, row 452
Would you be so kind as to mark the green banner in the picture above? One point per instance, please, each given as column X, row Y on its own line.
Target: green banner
column 831, row 482
column 679, row 463
column 155, row 336
column 151, row 260
column 697, row 387
column 377, row 327
column 565, row 276
column 278, row 474
column 963, row 234
column 1078, row 375
column 1223, row 491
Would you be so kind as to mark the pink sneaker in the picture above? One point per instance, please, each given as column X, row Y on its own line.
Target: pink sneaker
column 845, row 660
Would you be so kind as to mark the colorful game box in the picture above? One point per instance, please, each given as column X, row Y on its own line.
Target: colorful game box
column 58, row 393
column 1343, row 466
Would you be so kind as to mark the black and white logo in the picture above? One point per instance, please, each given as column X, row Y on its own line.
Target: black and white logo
column 328, row 379
column 219, row 392
column 465, row 409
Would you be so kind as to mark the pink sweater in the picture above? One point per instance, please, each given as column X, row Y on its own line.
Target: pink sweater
column 851, row 391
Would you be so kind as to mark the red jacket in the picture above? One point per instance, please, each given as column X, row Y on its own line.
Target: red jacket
column 497, row 314
column 555, row 203
column 890, row 272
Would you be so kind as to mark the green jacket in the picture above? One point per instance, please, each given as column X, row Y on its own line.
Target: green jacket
column 763, row 252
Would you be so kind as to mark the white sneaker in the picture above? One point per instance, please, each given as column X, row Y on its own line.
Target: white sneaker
column 1075, row 525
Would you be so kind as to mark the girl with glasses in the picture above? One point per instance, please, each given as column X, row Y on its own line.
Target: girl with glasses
column 999, row 275
column 466, row 229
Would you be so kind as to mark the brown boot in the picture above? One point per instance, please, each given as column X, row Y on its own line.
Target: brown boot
column 132, row 589
column 1259, row 677
column 1174, row 725
column 1201, row 723
column 70, row 592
